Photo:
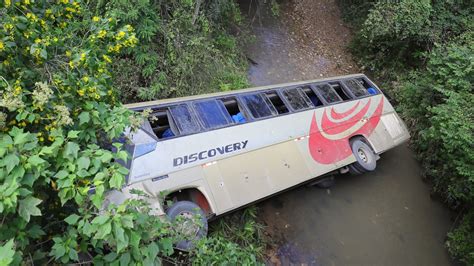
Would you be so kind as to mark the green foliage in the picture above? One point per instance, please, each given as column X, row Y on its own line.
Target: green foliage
column 461, row 240
column 59, row 117
column 58, row 112
column 221, row 251
column 395, row 34
column 184, row 48
column 235, row 239
column 439, row 105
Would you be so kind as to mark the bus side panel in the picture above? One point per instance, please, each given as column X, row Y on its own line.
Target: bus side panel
column 218, row 188
column 257, row 174
column 188, row 178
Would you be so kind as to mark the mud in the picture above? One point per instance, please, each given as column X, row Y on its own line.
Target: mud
column 385, row 217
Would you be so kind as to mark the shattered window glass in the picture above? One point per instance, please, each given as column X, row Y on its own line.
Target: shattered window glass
column 356, row 87
column 258, row 105
column 297, row 99
column 328, row 93
column 183, row 119
column 212, row 113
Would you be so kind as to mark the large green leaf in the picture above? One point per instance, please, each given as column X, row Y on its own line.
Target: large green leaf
column 6, row 253
column 28, row 208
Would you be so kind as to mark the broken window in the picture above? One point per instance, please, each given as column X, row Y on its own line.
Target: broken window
column 160, row 124
column 356, row 87
column 184, row 120
column 212, row 113
column 297, row 99
column 312, row 96
column 233, row 108
column 339, row 89
column 277, row 102
column 258, row 105
column 328, row 93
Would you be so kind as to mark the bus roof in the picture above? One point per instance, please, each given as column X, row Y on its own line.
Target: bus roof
column 140, row 105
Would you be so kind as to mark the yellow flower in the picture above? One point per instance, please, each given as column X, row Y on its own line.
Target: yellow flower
column 83, row 56
column 85, row 78
column 50, row 138
column 41, row 139
column 107, row 59
column 71, row 64
column 120, row 35
column 68, row 53
column 37, row 40
column 2, row 46
column 8, row 3
column 101, row 34
column 96, row 19
column 81, row 92
column 27, row 2
column 17, row 90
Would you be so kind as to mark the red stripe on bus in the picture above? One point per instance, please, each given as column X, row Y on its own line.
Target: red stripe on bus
column 328, row 151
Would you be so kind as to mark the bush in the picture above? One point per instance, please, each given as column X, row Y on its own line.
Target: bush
column 439, row 105
column 184, row 48
column 461, row 240
column 58, row 113
column 59, row 122
column 395, row 34
column 426, row 47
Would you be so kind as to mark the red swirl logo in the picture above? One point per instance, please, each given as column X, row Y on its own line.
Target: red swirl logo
column 329, row 142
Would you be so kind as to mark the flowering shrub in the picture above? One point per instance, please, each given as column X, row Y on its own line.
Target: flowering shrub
column 58, row 115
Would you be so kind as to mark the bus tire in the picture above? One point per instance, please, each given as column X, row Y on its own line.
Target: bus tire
column 193, row 216
column 353, row 170
column 366, row 160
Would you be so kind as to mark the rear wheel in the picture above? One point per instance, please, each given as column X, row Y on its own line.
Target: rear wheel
column 191, row 223
column 365, row 156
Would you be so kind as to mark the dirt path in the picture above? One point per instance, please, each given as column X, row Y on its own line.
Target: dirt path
column 302, row 43
column 382, row 218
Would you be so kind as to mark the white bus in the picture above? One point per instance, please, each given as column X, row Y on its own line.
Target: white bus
column 214, row 153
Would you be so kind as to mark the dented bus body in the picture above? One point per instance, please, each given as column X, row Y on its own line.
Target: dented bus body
column 226, row 150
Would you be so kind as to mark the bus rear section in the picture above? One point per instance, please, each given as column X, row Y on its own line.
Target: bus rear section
column 222, row 151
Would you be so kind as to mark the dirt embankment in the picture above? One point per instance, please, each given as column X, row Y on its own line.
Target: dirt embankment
column 308, row 40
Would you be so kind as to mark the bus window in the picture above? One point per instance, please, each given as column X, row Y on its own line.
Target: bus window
column 277, row 102
column 340, row 91
column 184, row 120
column 258, row 105
column 312, row 96
column 212, row 113
column 356, row 87
column 328, row 93
column 297, row 99
column 160, row 124
column 234, row 110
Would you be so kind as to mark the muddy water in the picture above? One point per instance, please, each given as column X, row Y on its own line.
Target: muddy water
column 381, row 218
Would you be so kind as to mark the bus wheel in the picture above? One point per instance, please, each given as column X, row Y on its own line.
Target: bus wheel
column 353, row 170
column 191, row 223
column 366, row 158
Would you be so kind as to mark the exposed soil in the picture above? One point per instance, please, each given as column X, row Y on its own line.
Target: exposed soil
column 381, row 218
column 307, row 40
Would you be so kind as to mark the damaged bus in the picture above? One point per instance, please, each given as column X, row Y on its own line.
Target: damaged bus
column 214, row 153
